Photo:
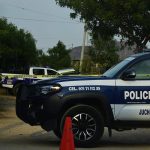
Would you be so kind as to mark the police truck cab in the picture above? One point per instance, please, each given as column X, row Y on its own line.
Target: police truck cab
column 119, row 100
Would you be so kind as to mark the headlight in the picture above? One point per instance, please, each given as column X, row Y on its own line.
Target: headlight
column 50, row 89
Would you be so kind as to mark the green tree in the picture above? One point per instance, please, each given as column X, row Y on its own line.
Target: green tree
column 104, row 53
column 17, row 47
column 43, row 59
column 59, row 56
column 128, row 18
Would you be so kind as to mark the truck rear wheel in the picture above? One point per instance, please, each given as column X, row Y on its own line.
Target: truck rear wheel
column 16, row 88
column 87, row 125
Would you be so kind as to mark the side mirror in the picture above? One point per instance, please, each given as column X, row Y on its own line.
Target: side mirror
column 128, row 75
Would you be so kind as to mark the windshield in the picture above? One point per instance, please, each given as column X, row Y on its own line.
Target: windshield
column 112, row 71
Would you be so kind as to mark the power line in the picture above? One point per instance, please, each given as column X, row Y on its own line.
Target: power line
column 38, row 20
column 46, row 38
column 39, row 12
column 50, row 37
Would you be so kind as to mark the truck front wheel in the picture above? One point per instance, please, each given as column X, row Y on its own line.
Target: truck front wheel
column 87, row 124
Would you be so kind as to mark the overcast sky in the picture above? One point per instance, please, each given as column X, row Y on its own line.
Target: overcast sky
column 47, row 22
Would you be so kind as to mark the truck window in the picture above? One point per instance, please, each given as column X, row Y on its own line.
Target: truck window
column 38, row 71
column 112, row 71
column 51, row 72
column 142, row 69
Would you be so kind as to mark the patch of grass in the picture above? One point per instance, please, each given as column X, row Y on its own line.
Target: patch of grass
column 6, row 103
column 2, row 108
column 3, row 91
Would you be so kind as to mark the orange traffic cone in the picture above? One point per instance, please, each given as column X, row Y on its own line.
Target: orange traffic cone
column 67, row 141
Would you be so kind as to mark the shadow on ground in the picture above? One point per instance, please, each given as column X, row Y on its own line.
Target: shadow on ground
column 49, row 140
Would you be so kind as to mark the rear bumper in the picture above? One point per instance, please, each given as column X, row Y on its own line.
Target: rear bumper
column 37, row 110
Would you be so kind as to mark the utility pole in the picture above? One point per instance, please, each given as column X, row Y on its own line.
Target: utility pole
column 83, row 48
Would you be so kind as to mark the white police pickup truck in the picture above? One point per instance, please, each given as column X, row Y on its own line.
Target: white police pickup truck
column 35, row 73
column 119, row 99
column 13, row 81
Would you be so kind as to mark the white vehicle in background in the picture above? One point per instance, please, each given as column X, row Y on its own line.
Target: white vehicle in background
column 67, row 71
column 13, row 81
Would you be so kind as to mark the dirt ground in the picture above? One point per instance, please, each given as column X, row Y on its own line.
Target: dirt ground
column 17, row 135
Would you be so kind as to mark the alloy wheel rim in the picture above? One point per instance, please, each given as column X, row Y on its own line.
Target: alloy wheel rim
column 83, row 126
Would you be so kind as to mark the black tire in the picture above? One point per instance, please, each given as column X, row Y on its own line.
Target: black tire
column 87, row 125
column 16, row 88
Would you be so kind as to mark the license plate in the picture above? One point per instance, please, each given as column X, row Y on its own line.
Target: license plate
column 9, row 81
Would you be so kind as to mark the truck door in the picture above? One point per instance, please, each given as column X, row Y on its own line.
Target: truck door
column 133, row 95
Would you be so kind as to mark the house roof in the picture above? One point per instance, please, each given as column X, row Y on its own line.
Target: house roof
column 123, row 52
column 75, row 53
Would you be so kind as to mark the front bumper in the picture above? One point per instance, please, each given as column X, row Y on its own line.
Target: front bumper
column 36, row 109
column 9, row 86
